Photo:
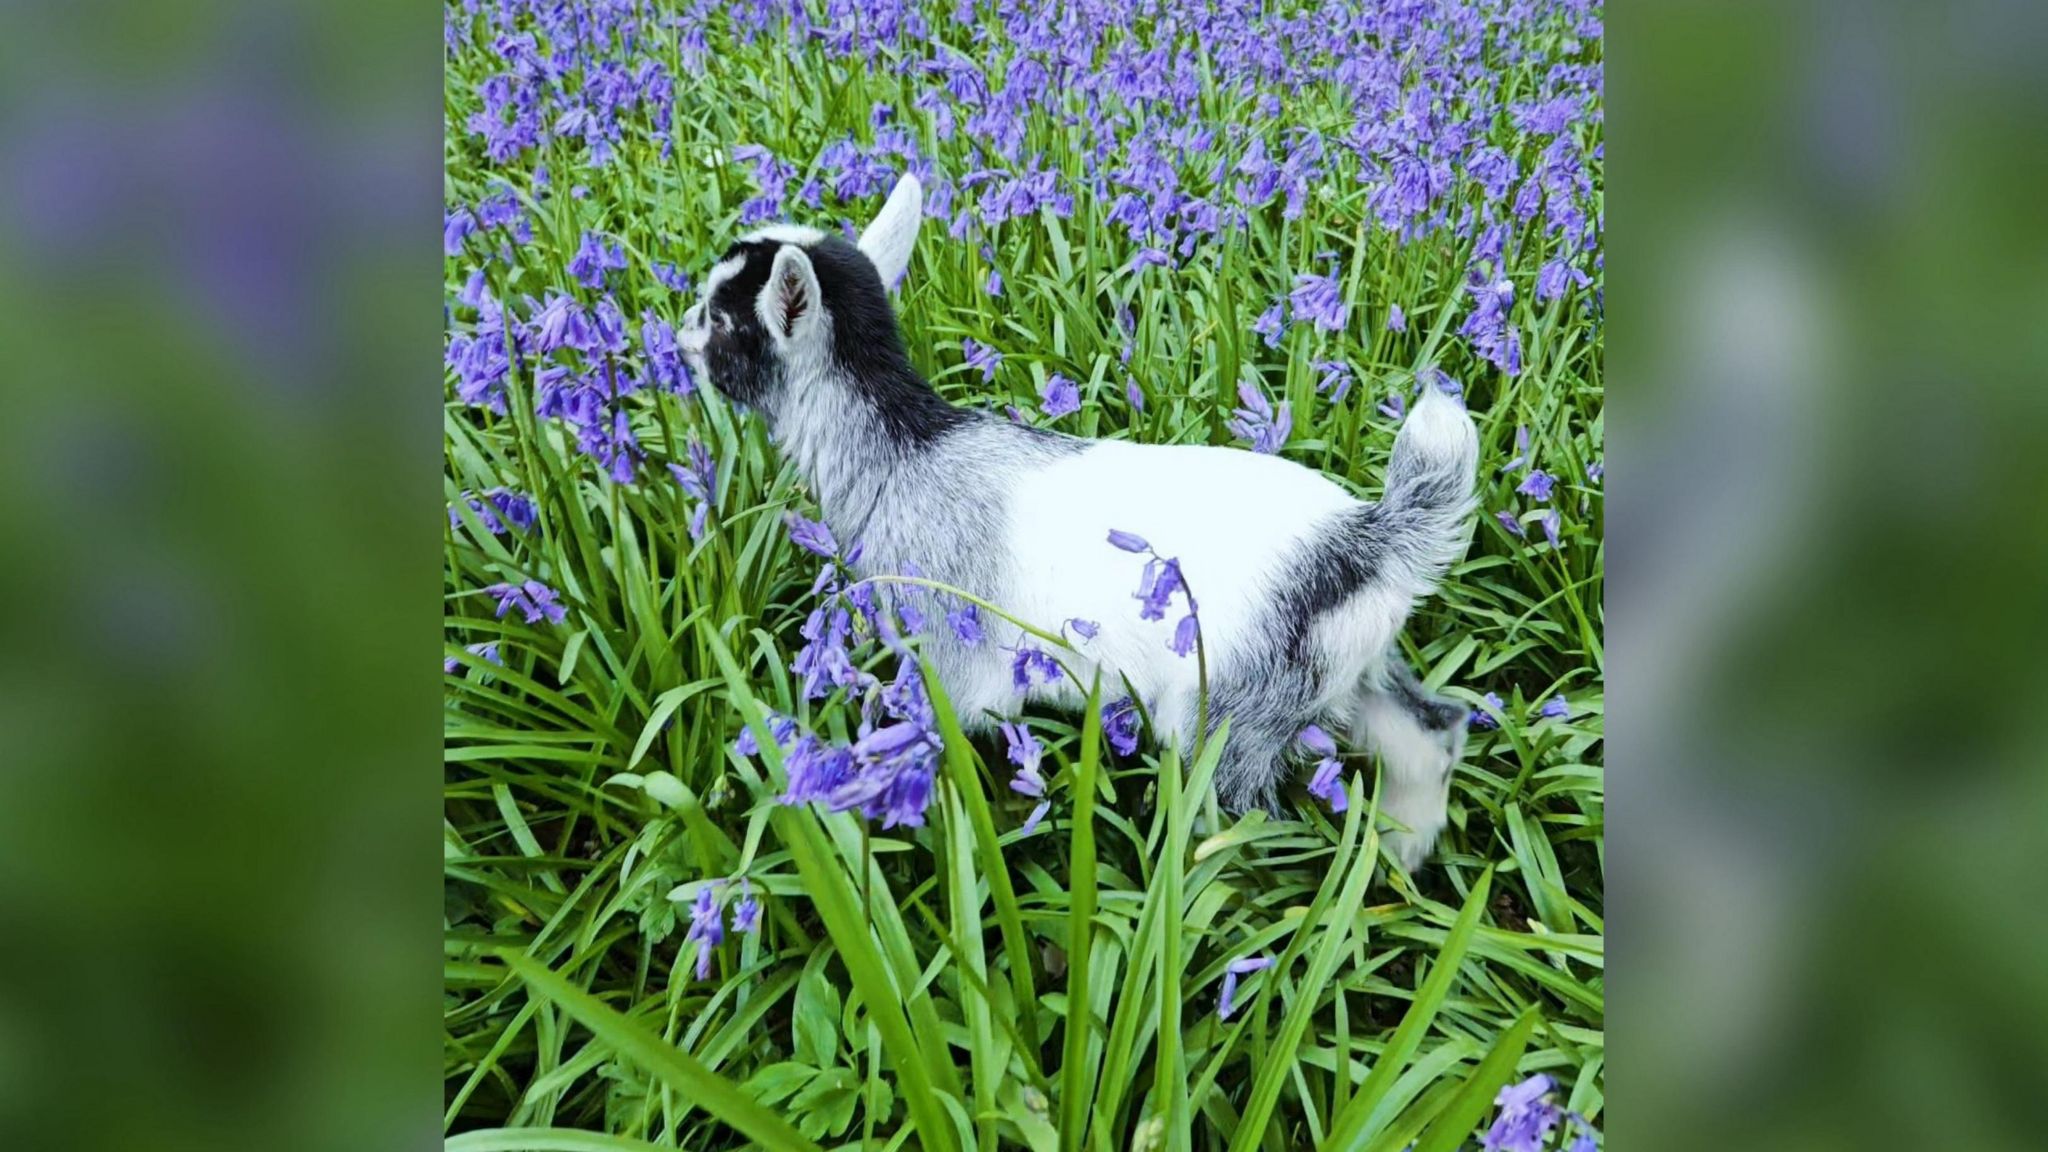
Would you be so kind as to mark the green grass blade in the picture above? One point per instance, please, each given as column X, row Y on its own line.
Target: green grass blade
column 1349, row 1129
column 676, row 1068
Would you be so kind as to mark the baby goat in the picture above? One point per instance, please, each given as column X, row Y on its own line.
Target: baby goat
column 1302, row 588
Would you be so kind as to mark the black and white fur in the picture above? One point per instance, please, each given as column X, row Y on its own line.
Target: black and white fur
column 1303, row 589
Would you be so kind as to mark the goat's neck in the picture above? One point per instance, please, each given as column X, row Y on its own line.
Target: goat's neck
column 840, row 448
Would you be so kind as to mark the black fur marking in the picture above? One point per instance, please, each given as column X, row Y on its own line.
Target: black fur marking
column 1431, row 713
column 1324, row 571
column 867, row 345
column 741, row 360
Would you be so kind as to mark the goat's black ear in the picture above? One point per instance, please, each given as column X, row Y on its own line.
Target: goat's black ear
column 790, row 306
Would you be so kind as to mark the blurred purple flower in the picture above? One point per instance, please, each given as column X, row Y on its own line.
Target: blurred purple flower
column 1258, row 422
column 811, row 535
column 979, row 355
column 1120, row 723
column 1061, row 396
column 1526, row 1117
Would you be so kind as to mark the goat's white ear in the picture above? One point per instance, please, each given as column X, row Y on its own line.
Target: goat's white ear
column 887, row 241
column 790, row 306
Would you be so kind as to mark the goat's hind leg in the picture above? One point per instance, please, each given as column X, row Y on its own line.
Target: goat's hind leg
column 1418, row 738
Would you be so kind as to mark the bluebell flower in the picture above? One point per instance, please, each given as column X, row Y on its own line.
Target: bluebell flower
column 1336, row 379
column 1397, row 320
column 1128, row 541
column 1156, row 586
column 1537, row 483
column 966, row 625
column 1526, row 1117
column 811, row 535
column 535, row 600
column 487, row 650
column 1060, row 397
column 746, row 915
column 1133, row 395
column 1226, row 1002
column 1595, row 472
column 1489, row 329
column 1320, row 300
column 707, row 928
column 816, row 770
column 1480, row 720
column 594, row 258
column 1258, row 421
column 1148, row 258
column 981, row 356
column 1508, row 521
column 1552, row 521
column 1555, row 708
column 1085, row 629
column 456, row 227
column 1025, row 752
column 672, row 278
column 1032, row 666
column 1271, row 323
column 1185, row 635
column 1121, row 722
column 1031, row 822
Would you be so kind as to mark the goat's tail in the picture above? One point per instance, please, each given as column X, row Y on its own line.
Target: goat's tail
column 1429, row 487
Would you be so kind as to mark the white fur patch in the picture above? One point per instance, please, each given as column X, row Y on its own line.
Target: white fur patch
column 721, row 272
column 784, row 234
column 1415, row 774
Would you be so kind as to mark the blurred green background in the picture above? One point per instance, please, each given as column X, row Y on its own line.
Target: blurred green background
column 220, row 511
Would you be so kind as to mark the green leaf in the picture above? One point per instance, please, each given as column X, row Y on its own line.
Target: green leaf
column 674, row 1067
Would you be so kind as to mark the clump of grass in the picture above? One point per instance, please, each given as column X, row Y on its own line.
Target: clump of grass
column 614, row 625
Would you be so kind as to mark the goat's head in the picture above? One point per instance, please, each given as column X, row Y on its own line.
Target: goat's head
column 789, row 307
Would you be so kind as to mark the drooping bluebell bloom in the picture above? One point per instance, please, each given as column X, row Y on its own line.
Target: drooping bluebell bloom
column 1319, row 300
column 456, row 227
column 1258, row 421
column 1489, row 329
column 1537, row 483
column 535, row 600
column 1555, row 708
column 1397, row 320
column 707, row 928
column 1133, row 395
column 1060, row 397
column 1508, row 521
column 1482, row 720
column 1335, row 379
column 594, row 258
column 746, row 915
column 1121, row 723
column 811, row 535
column 1085, row 629
column 1025, row 752
column 981, row 356
column 966, row 625
column 1226, row 1003
column 1128, row 541
column 672, row 278
column 1031, row 665
column 1551, row 520
column 487, row 650
column 1526, row 1117
column 1271, row 323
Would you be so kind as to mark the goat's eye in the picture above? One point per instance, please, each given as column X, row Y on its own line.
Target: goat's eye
column 721, row 321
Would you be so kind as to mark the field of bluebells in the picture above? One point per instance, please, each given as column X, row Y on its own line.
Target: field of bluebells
column 722, row 871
